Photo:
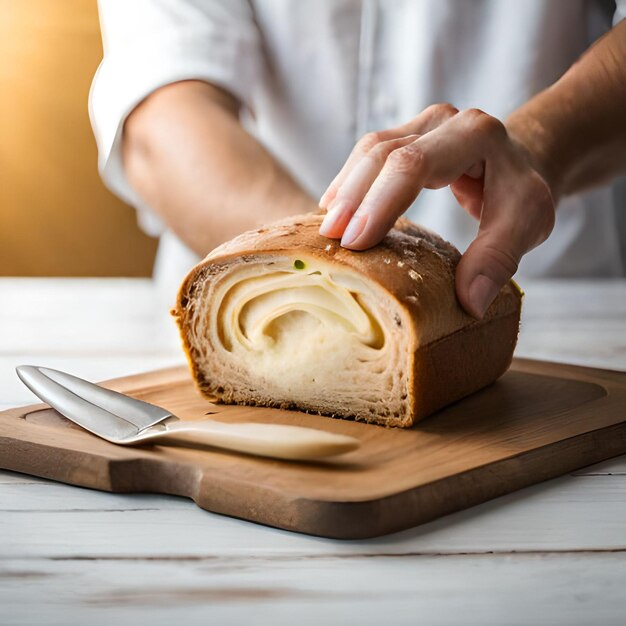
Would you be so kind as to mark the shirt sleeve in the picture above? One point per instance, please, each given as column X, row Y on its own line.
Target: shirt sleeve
column 620, row 11
column 152, row 43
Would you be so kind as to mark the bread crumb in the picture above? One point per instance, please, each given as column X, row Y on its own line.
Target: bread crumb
column 414, row 275
column 400, row 263
column 386, row 261
column 328, row 247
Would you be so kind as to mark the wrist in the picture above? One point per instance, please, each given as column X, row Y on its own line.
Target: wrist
column 537, row 143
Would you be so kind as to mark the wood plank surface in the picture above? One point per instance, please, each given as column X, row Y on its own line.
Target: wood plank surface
column 538, row 421
column 491, row 590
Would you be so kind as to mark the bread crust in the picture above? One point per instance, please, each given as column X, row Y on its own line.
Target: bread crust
column 455, row 354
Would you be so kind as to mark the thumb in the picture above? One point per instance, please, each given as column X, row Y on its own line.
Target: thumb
column 504, row 236
column 487, row 265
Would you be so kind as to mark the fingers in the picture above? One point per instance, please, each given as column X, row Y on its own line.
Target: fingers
column 363, row 146
column 434, row 160
column 356, row 185
column 393, row 191
column 428, row 119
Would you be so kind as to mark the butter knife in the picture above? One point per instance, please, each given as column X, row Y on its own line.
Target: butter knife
column 123, row 420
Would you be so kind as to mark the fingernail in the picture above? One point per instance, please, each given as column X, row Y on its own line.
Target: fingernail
column 324, row 199
column 482, row 293
column 336, row 213
column 354, row 229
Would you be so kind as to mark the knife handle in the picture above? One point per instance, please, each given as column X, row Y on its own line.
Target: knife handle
column 271, row 440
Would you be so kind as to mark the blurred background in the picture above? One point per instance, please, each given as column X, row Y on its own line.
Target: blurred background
column 56, row 216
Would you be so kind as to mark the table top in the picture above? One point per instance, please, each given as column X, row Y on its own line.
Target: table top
column 554, row 553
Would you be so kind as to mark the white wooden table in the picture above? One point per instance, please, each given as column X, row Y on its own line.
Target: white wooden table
column 550, row 554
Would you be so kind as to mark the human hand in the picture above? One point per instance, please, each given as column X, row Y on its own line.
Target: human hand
column 489, row 173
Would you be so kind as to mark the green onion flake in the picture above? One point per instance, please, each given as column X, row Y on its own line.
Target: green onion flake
column 299, row 265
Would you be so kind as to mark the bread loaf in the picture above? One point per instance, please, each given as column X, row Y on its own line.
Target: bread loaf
column 284, row 317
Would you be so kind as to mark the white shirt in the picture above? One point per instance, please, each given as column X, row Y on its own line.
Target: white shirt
column 317, row 74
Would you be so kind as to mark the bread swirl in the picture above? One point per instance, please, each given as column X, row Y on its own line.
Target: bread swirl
column 284, row 317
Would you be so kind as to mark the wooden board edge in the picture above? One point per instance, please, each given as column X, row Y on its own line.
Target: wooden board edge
column 342, row 520
column 365, row 519
column 408, row 509
column 571, row 371
column 153, row 378
column 27, row 457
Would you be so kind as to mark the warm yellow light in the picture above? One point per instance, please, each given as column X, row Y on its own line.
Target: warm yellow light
column 55, row 215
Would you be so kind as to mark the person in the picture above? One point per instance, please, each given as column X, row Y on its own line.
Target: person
column 216, row 116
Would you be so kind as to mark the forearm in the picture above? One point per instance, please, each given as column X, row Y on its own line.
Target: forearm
column 189, row 158
column 575, row 131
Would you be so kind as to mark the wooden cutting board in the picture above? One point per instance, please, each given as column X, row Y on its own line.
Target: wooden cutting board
column 538, row 421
